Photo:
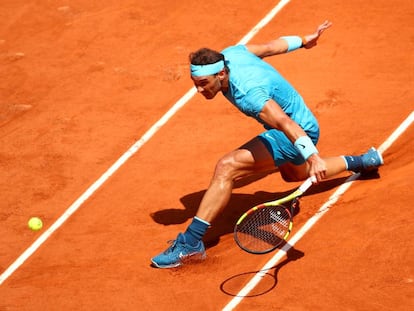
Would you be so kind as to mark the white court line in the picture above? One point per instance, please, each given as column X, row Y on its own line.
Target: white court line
column 130, row 152
column 309, row 224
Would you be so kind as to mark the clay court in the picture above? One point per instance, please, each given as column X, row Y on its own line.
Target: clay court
column 85, row 83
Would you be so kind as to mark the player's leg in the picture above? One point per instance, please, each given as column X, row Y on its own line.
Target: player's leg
column 253, row 157
column 364, row 163
column 298, row 172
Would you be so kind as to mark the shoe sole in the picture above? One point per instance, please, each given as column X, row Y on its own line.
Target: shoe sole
column 175, row 265
column 380, row 156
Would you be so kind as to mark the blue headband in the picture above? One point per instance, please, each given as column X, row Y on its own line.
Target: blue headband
column 206, row 70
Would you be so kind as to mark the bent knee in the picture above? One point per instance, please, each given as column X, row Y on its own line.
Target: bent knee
column 293, row 173
column 225, row 167
column 290, row 177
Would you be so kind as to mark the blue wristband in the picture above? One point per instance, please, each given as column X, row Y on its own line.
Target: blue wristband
column 305, row 146
column 294, row 42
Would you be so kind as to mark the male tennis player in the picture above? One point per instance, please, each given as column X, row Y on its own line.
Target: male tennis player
column 289, row 142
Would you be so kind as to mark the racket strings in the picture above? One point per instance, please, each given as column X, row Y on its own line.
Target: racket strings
column 264, row 229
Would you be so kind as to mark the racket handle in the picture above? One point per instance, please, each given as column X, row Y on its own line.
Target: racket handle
column 306, row 184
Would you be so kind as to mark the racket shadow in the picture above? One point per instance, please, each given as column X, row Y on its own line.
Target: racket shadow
column 232, row 285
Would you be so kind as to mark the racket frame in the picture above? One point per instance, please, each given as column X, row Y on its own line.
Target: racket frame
column 279, row 202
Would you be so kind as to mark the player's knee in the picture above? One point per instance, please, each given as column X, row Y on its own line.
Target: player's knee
column 291, row 176
column 225, row 168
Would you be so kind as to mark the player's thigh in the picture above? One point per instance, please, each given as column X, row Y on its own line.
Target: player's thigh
column 253, row 156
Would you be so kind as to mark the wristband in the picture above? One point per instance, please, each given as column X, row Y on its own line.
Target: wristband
column 294, row 42
column 305, row 146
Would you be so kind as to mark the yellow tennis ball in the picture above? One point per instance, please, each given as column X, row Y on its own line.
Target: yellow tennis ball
column 35, row 223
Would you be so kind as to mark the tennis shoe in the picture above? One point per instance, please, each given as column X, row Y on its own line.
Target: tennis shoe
column 371, row 160
column 179, row 253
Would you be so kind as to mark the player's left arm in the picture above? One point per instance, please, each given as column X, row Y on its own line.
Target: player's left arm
column 288, row 43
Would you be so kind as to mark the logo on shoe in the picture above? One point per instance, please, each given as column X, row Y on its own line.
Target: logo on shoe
column 183, row 256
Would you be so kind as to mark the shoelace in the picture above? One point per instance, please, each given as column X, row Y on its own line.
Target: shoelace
column 171, row 248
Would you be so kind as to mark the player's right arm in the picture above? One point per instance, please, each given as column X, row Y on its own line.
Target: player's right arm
column 273, row 115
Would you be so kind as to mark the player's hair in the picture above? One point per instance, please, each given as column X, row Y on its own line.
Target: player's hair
column 205, row 56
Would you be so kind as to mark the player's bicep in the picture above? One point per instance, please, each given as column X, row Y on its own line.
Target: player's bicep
column 273, row 115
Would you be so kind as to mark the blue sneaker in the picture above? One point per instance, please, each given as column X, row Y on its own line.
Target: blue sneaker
column 179, row 253
column 371, row 160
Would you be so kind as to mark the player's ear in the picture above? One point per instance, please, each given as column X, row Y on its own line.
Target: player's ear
column 222, row 74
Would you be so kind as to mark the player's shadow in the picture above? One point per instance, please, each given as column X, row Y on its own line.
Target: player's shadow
column 269, row 277
column 238, row 204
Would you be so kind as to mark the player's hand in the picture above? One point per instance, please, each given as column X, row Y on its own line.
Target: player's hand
column 311, row 39
column 317, row 167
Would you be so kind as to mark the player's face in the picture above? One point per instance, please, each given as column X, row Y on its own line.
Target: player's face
column 208, row 86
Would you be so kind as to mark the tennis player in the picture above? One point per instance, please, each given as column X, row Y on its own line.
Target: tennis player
column 288, row 142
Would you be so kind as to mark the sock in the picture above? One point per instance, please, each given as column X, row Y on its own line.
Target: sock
column 353, row 163
column 196, row 231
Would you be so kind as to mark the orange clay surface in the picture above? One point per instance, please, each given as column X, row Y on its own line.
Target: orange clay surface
column 83, row 80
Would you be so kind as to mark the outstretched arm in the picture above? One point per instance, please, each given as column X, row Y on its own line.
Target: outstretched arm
column 284, row 44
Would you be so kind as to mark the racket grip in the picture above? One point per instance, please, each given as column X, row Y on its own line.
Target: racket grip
column 306, row 184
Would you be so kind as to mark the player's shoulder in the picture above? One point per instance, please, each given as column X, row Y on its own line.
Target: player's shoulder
column 234, row 49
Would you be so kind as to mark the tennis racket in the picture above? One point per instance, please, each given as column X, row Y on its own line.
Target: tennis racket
column 266, row 226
